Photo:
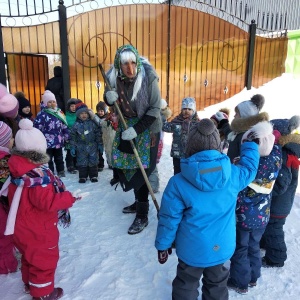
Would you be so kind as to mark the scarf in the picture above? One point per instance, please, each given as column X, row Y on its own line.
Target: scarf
column 57, row 113
column 35, row 177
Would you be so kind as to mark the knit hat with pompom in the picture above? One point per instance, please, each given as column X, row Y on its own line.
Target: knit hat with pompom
column 251, row 107
column 29, row 138
column 286, row 126
column 203, row 136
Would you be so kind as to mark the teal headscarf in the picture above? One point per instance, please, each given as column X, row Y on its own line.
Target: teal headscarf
column 117, row 61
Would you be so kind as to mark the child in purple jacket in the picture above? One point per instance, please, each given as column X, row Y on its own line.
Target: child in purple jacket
column 51, row 121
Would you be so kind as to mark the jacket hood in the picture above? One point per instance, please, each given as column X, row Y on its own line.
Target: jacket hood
column 291, row 142
column 207, row 170
column 22, row 162
column 243, row 124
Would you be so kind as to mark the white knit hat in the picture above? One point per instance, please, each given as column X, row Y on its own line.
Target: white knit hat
column 48, row 96
column 263, row 132
column 251, row 107
column 29, row 138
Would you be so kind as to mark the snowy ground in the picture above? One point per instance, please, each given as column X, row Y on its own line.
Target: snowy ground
column 100, row 261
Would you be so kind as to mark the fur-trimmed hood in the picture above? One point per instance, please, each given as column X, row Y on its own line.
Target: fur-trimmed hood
column 243, row 124
column 22, row 162
column 291, row 142
column 35, row 157
column 166, row 112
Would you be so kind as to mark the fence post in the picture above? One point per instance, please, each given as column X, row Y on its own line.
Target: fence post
column 2, row 58
column 250, row 58
column 62, row 12
column 168, row 52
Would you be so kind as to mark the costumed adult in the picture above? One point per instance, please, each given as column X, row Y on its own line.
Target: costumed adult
column 135, row 88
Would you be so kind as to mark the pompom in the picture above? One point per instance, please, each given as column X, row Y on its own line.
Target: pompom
column 258, row 100
column 206, row 127
column 225, row 110
column 19, row 94
column 25, row 124
column 294, row 122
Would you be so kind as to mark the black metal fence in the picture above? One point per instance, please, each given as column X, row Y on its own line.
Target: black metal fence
column 200, row 48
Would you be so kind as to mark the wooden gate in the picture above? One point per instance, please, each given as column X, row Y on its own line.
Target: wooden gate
column 28, row 73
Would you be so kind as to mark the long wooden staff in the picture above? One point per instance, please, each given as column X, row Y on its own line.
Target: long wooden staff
column 131, row 141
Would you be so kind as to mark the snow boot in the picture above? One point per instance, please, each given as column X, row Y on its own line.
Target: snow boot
column 267, row 263
column 131, row 209
column 26, row 288
column 141, row 219
column 61, row 174
column 94, row 179
column 72, row 170
column 138, row 225
column 56, row 294
column 93, row 173
column 83, row 174
column 232, row 286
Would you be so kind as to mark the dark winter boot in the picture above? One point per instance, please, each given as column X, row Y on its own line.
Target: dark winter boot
column 115, row 178
column 83, row 174
column 26, row 288
column 131, row 209
column 93, row 173
column 141, row 219
column 56, row 294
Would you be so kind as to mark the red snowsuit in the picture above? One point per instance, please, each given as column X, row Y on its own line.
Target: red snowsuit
column 36, row 234
column 8, row 261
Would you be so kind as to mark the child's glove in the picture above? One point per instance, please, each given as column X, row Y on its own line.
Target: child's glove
column 92, row 114
column 73, row 152
column 111, row 97
column 163, row 255
column 78, row 195
column 220, row 118
column 129, row 134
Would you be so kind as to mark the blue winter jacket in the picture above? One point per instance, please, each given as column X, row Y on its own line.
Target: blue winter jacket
column 198, row 206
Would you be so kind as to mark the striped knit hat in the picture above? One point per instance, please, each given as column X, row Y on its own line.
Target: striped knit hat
column 5, row 134
column 80, row 108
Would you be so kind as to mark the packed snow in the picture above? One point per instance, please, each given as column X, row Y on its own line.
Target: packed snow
column 100, row 261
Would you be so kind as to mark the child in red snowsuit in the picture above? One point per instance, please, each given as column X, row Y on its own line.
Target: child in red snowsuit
column 8, row 261
column 39, row 198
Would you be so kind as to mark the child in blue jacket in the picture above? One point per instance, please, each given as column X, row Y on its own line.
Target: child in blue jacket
column 86, row 142
column 198, row 212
